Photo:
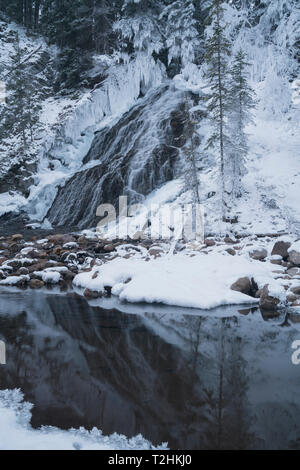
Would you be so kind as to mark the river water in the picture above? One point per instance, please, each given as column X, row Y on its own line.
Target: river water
column 194, row 379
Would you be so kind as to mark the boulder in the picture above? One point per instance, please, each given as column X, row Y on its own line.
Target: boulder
column 90, row 294
column 267, row 301
column 292, row 297
column 242, row 285
column 293, row 272
column 295, row 290
column 231, row 251
column 259, row 254
column 281, row 248
column 36, row 284
column 109, row 248
column 82, row 240
column 17, row 237
column 209, row 242
column 22, row 271
column 276, row 259
column 229, row 240
column 258, row 293
column 60, row 239
column 294, row 257
column 68, row 275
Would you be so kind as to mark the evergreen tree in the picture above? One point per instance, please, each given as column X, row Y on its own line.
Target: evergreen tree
column 139, row 26
column 20, row 114
column 218, row 50
column 181, row 31
column 241, row 101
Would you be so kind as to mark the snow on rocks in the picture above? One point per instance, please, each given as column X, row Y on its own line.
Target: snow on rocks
column 16, row 432
column 48, row 277
column 220, row 271
column 294, row 253
column 259, row 254
column 200, row 281
column 15, row 281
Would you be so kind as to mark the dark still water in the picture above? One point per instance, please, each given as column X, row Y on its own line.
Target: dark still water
column 222, row 379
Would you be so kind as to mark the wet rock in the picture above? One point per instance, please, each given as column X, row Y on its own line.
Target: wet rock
column 90, row 294
column 245, row 311
column 63, row 285
column 108, row 291
column 267, row 301
column 68, row 275
column 259, row 255
column 36, row 284
column 281, row 248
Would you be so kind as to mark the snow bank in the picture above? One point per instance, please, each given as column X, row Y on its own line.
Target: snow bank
column 17, row 434
column 14, row 280
column 201, row 281
column 49, row 277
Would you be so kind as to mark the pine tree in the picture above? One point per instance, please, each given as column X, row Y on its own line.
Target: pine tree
column 241, row 101
column 218, row 50
column 181, row 31
column 20, row 114
column 139, row 27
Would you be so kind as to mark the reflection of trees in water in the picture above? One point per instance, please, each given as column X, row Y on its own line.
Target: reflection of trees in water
column 227, row 408
column 194, row 403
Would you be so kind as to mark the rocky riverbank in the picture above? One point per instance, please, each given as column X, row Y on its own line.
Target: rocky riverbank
column 271, row 267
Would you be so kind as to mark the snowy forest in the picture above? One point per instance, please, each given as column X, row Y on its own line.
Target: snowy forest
column 125, row 124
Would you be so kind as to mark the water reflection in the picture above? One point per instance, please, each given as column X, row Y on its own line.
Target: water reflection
column 195, row 381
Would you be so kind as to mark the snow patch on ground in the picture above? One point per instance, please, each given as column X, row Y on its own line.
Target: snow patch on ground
column 195, row 280
column 16, row 432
